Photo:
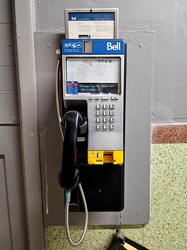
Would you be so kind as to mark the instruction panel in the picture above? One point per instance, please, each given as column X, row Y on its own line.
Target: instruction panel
column 91, row 25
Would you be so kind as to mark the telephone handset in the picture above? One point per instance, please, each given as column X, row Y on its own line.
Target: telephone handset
column 72, row 123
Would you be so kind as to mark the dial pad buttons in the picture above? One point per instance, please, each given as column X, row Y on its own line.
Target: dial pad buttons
column 105, row 117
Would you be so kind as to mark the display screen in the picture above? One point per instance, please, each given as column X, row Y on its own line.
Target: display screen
column 93, row 75
column 97, row 88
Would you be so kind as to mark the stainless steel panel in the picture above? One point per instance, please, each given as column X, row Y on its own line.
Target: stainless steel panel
column 137, row 125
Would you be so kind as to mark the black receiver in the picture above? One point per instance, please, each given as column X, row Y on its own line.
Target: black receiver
column 72, row 121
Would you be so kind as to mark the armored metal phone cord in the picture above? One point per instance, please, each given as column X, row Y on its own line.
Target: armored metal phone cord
column 68, row 194
column 57, row 97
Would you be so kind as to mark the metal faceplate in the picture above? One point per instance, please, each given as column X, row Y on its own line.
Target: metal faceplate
column 94, row 72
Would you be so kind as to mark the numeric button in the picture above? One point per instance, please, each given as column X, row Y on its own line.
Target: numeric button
column 111, row 119
column 111, row 113
column 98, row 126
column 111, row 126
column 111, row 106
column 105, row 126
column 105, row 113
column 98, row 119
column 105, row 119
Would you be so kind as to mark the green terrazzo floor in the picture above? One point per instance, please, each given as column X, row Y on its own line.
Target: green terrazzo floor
column 168, row 224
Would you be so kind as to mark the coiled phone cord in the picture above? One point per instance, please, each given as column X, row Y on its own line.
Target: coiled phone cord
column 68, row 193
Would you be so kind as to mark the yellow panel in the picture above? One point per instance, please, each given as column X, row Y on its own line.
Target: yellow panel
column 95, row 157
column 118, row 157
column 101, row 157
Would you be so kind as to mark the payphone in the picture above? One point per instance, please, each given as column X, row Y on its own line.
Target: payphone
column 92, row 118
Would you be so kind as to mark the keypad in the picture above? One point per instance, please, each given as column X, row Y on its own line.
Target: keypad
column 105, row 117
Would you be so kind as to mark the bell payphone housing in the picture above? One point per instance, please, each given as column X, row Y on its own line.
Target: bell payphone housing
column 93, row 84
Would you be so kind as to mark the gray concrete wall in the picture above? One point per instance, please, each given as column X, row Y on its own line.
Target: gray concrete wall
column 168, row 20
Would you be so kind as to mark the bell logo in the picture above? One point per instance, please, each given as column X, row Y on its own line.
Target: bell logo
column 111, row 46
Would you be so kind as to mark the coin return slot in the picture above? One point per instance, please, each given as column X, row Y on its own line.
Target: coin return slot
column 108, row 157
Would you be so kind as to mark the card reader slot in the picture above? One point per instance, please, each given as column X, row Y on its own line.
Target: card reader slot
column 87, row 47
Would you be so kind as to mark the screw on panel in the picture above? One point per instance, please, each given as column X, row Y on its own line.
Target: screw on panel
column 48, row 45
column 13, row 118
column 140, row 45
column 58, row 52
